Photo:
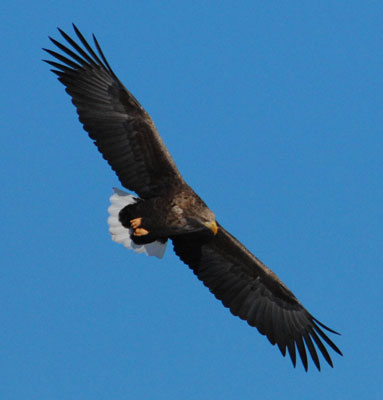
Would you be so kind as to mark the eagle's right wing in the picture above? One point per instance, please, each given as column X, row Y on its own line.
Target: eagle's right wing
column 121, row 129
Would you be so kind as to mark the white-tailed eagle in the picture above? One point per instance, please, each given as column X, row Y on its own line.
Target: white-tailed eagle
column 167, row 208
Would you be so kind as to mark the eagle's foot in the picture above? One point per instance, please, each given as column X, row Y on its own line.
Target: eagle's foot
column 135, row 223
column 140, row 232
column 137, row 231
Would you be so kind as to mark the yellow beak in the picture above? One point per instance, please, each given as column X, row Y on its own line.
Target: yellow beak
column 212, row 225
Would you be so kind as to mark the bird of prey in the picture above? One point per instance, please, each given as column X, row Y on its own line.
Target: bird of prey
column 167, row 208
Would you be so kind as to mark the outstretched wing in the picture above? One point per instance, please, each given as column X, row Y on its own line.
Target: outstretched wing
column 121, row 129
column 254, row 293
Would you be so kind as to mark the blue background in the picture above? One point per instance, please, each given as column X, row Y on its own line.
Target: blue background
column 273, row 113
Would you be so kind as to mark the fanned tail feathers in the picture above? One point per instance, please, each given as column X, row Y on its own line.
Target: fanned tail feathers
column 120, row 234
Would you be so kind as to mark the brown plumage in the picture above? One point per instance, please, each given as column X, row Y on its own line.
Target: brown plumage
column 168, row 208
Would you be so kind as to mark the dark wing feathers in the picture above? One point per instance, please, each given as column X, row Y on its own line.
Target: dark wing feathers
column 121, row 129
column 254, row 293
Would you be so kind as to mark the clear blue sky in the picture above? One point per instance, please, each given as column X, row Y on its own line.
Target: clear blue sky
column 273, row 113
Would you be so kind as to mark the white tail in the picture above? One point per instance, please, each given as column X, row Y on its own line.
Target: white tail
column 120, row 234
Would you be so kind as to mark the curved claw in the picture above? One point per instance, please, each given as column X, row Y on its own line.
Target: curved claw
column 140, row 232
column 135, row 223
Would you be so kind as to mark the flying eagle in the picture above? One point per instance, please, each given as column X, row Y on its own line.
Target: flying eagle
column 167, row 208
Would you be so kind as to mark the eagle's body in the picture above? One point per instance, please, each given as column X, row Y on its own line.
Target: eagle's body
column 178, row 212
column 167, row 208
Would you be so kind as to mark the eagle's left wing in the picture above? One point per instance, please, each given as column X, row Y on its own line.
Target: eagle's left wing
column 254, row 293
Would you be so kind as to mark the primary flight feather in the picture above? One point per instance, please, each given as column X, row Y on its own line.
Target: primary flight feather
column 167, row 208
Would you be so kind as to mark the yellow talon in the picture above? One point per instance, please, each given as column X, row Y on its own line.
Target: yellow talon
column 135, row 223
column 140, row 232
